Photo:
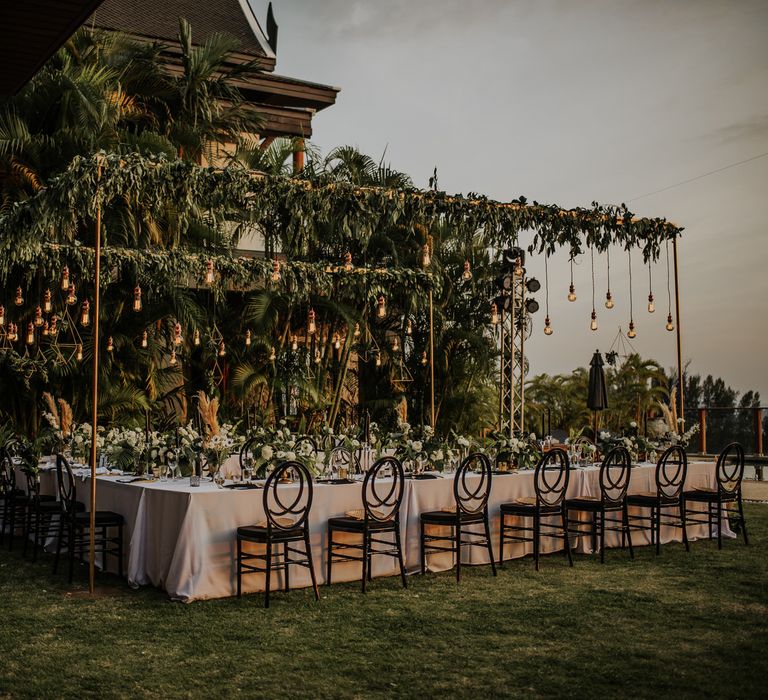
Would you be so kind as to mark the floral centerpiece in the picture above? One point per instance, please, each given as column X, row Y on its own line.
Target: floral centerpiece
column 59, row 419
column 521, row 452
column 124, row 448
column 219, row 441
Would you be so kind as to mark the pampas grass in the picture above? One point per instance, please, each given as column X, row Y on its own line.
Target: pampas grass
column 209, row 409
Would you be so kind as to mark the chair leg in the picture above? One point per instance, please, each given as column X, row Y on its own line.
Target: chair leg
column 602, row 536
column 743, row 520
column 12, row 529
column 103, row 549
column 399, row 546
column 59, row 542
column 719, row 507
column 711, row 520
column 423, row 555
column 536, row 527
column 684, row 526
column 120, row 550
column 566, row 537
column 268, row 573
column 286, row 555
column 308, row 550
column 594, row 532
column 27, row 528
column 329, row 563
column 71, row 551
column 490, row 546
column 501, row 540
column 458, row 552
column 239, row 567
column 628, row 530
column 657, row 527
column 366, row 559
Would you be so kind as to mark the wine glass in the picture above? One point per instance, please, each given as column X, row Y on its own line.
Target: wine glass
column 173, row 464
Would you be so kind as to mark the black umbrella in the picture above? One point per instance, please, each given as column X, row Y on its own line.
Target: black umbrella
column 597, row 396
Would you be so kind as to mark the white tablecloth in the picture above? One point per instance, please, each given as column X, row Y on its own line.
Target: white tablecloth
column 182, row 538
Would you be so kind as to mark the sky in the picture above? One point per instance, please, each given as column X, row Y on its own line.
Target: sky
column 568, row 102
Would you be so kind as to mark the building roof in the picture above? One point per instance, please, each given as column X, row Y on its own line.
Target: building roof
column 159, row 19
column 31, row 31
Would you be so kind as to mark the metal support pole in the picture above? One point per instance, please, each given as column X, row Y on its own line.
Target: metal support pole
column 502, row 368
column 431, row 362
column 703, row 430
column 512, row 358
column 680, row 382
column 759, row 431
column 523, row 320
column 95, row 389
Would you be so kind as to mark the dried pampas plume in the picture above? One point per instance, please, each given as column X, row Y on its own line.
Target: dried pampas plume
column 670, row 411
column 50, row 402
column 209, row 409
column 65, row 422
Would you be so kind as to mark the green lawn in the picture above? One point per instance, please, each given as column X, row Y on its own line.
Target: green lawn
column 680, row 625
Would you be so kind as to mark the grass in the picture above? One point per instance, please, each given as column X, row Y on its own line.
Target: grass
column 680, row 625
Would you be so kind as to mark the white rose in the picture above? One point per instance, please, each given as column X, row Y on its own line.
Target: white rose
column 632, row 424
column 290, row 456
column 416, row 445
column 439, row 455
column 267, row 452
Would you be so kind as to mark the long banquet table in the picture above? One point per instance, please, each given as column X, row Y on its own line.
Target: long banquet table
column 182, row 538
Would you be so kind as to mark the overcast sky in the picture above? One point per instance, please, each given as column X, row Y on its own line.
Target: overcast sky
column 567, row 102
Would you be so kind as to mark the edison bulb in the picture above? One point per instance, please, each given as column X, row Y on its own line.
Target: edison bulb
column 608, row 301
column 196, row 337
column 651, row 307
column 547, row 327
column 382, row 308
column 378, row 360
column 110, row 344
column 272, row 354
column 670, row 326
column 79, row 352
column 571, row 293
column 467, row 274
column 593, row 323
column 144, row 339
column 631, row 332
column 248, row 339
column 424, row 358
column 294, row 343
column 494, row 315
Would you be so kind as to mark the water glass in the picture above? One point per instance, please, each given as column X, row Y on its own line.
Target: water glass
column 218, row 479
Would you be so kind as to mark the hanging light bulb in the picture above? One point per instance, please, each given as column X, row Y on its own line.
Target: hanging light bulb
column 409, row 327
column 396, row 344
column 275, row 276
column 30, row 333
column 571, row 293
column 172, row 360
column 85, row 314
column 294, row 343
column 12, row 334
column 494, row 314
column 209, row 272
column 53, row 330
column 608, row 300
column 38, row 317
column 2, row 315
column 110, row 344
column 593, row 323
column 651, row 307
column 547, row 327
column 424, row 357
column 311, row 325
column 137, row 298
column 45, row 330
column 65, row 279
column 518, row 268
column 71, row 298
column 19, row 297
column 144, row 339
column 79, row 353
column 631, row 332
column 318, row 357
column 381, row 311
column 222, row 349
column 378, row 359
column 47, row 304
column 467, row 274
column 336, row 341
column 272, row 354
column 347, row 261
column 356, row 332
column 426, row 259
column 178, row 339
column 196, row 338
column 670, row 325
column 248, row 338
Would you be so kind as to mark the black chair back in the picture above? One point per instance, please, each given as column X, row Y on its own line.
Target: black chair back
column 7, row 473
column 287, row 501
column 246, row 452
column 550, row 480
column 472, row 484
column 66, row 485
column 328, row 442
column 671, row 471
column 615, row 471
column 383, row 489
column 730, row 469
column 306, row 445
column 342, row 457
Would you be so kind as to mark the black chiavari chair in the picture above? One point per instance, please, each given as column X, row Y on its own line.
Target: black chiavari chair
column 287, row 505
column 550, row 481
column 729, row 474
column 380, row 516
column 667, row 500
column 15, row 501
column 471, row 490
column 43, row 511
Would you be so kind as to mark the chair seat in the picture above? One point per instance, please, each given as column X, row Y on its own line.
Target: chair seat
column 48, row 506
column 707, row 496
column 527, row 506
column 103, row 518
column 353, row 524
column 445, row 517
column 650, row 499
column 591, row 503
column 260, row 533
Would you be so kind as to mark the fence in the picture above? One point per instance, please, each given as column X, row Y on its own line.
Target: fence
column 718, row 426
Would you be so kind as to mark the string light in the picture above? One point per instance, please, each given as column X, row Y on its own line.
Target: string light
column 467, row 274
column 79, row 353
column 45, row 330
column 409, row 327
column 651, row 307
column 30, row 333
column 424, row 357
column 275, row 276
column 71, row 297
column 110, row 344
column 494, row 314
column 178, row 339
column 196, row 338
column 356, row 333
column 53, row 329
column 381, row 311
column 222, row 349
column 571, row 289
column 248, row 338
column 425, row 256
column 336, row 341
column 396, row 344
column 593, row 322
column 608, row 298
column 670, row 324
column 47, row 304
column 631, row 332
column 311, row 325
column 348, row 261
column 294, row 343
column 19, row 297
column 38, row 317
column 85, row 315
column 209, row 272
column 65, row 279
column 272, row 354
column 144, row 339
column 137, row 298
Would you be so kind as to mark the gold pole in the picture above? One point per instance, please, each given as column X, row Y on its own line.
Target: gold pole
column 95, row 394
column 680, row 383
column 501, row 369
column 522, row 356
column 432, row 362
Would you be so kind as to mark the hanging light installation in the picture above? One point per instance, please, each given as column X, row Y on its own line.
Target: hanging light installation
column 572, row 288
column 19, row 297
column 631, row 332
column 110, row 344
column 209, row 272
column 30, row 333
column 275, row 276
column 651, row 307
column 137, row 298
column 311, row 325
column 53, row 330
column 593, row 322
column 85, row 314
column 494, row 314
column 547, row 326
column 381, row 310
column 178, row 339
column 65, row 279
column 608, row 298
column 144, row 339
column 39, row 317
column 467, row 274
column 670, row 324
column 47, row 304
column 348, row 261
column 71, row 297
column 12, row 332
column 248, row 338
column 196, row 338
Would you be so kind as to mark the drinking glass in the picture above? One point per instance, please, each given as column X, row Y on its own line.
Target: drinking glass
column 218, row 478
column 173, row 464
